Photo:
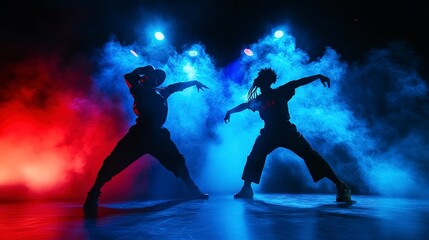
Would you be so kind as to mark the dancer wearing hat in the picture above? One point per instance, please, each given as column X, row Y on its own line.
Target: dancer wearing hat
column 147, row 135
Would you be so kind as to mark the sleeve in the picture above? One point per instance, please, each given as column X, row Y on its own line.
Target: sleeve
column 254, row 105
column 170, row 89
column 166, row 91
column 288, row 90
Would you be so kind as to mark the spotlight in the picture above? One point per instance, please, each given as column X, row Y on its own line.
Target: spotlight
column 278, row 34
column 193, row 53
column 248, row 52
column 159, row 36
column 134, row 53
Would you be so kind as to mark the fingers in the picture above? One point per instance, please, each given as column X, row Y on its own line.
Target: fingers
column 226, row 118
column 327, row 81
column 201, row 87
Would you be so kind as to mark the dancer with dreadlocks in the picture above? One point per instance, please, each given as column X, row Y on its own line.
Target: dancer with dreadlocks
column 278, row 131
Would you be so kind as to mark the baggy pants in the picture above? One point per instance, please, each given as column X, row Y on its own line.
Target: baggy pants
column 287, row 137
column 139, row 141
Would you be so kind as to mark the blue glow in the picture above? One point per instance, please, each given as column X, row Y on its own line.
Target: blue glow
column 190, row 71
column 159, row 36
column 364, row 145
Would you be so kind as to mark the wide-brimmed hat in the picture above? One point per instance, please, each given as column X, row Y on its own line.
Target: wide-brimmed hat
column 154, row 76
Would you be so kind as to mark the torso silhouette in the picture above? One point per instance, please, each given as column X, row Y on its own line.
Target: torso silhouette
column 149, row 105
column 273, row 105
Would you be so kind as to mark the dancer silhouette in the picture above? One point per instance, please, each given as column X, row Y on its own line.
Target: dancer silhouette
column 278, row 131
column 147, row 135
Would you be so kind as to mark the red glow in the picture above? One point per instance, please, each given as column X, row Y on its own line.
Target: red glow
column 54, row 131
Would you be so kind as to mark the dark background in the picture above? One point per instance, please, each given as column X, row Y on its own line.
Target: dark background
column 224, row 27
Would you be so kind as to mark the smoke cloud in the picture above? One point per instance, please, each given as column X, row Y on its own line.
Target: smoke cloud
column 60, row 120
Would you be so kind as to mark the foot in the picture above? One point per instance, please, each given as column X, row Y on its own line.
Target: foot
column 343, row 193
column 195, row 193
column 245, row 192
column 90, row 206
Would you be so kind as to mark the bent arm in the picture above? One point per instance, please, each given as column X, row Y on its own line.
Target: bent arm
column 132, row 79
column 238, row 108
column 307, row 80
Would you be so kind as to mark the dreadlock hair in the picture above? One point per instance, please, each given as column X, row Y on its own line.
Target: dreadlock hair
column 252, row 93
column 264, row 74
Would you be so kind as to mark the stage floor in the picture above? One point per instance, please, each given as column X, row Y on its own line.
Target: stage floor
column 267, row 216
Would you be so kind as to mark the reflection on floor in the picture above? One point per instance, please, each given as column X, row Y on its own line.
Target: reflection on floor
column 268, row 216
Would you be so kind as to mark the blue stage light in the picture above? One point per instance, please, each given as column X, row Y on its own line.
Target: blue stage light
column 159, row 36
column 193, row 53
column 278, row 34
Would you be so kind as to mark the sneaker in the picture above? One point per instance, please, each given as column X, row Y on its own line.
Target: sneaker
column 90, row 206
column 343, row 193
column 245, row 192
column 195, row 193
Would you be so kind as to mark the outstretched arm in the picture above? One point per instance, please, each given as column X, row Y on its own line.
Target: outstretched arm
column 183, row 85
column 307, row 80
column 180, row 86
column 236, row 109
